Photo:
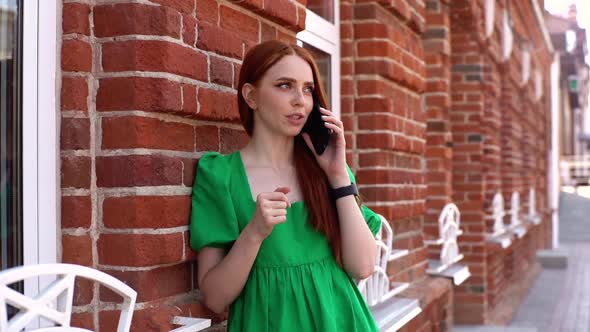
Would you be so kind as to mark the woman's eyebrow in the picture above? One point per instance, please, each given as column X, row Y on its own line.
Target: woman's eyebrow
column 289, row 79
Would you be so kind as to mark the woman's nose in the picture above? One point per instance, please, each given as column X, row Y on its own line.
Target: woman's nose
column 298, row 97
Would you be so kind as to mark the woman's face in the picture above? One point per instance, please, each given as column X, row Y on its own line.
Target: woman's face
column 283, row 97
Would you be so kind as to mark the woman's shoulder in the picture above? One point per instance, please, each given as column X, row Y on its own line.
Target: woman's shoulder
column 215, row 164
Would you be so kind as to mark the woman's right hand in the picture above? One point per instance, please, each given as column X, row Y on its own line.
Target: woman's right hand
column 271, row 210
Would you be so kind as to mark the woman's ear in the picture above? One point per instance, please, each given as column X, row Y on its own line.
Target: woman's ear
column 249, row 94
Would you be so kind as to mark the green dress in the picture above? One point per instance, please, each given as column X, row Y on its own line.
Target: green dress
column 295, row 283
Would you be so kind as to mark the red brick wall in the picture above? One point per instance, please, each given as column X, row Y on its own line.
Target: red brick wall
column 494, row 122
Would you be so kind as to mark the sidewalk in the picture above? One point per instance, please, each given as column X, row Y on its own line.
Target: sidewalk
column 560, row 299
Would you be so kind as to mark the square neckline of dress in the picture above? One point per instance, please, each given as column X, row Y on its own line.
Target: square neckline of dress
column 246, row 181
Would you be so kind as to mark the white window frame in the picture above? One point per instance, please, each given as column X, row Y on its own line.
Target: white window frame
column 325, row 36
column 40, row 136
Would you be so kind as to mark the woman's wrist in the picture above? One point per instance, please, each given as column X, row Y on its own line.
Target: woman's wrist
column 338, row 181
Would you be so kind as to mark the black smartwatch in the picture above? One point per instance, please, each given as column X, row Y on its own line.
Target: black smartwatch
column 345, row 191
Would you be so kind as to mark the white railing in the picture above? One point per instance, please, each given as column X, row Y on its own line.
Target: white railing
column 516, row 226
column 500, row 233
column 533, row 217
column 390, row 312
column 448, row 224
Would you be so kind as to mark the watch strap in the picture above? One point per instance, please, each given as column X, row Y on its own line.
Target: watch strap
column 345, row 191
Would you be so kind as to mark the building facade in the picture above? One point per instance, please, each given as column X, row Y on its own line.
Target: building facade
column 443, row 101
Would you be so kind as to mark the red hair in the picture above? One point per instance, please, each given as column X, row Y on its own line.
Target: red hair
column 311, row 178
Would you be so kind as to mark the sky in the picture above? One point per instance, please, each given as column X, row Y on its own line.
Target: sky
column 560, row 7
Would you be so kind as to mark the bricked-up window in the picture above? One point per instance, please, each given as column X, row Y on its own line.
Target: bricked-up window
column 322, row 38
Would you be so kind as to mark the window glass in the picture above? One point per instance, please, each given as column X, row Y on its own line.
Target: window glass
column 323, row 60
column 323, row 8
column 11, row 253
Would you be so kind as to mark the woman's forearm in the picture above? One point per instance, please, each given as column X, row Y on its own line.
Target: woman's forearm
column 223, row 283
column 358, row 243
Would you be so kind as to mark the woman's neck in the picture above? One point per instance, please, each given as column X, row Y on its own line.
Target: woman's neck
column 267, row 150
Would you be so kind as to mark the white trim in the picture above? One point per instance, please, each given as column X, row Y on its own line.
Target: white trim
column 526, row 66
column 40, row 139
column 325, row 36
column 553, row 178
column 490, row 16
column 542, row 26
column 507, row 36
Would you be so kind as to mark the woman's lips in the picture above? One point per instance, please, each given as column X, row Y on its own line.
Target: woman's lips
column 296, row 119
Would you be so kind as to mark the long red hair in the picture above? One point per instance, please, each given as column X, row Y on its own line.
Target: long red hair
column 311, row 178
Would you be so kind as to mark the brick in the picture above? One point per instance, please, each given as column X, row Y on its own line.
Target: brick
column 190, row 171
column 76, row 18
column 189, row 99
column 83, row 291
column 218, row 105
column 219, row 41
column 232, row 140
column 146, row 211
column 184, row 6
column 153, row 284
column 74, row 133
column 206, row 138
column 138, row 93
column 74, row 94
column 375, row 141
column 84, row 320
column 76, row 211
column 77, row 249
column 237, row 22
column 283, row 12
column 267, row 32
column 208, row 11
column 76, row 55
column 136, row 19
column 221, row 71
column 139, row 249
column 189, row 30
column 75, row 172
column 138, row 170
column 155, row 56
column 130, row 132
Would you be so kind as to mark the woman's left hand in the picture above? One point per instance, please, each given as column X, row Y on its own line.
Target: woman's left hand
column 333, row 160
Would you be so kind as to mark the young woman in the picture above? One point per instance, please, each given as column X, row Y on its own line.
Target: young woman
column 279, row 232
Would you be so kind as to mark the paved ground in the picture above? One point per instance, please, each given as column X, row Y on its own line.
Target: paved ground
column 560, row 299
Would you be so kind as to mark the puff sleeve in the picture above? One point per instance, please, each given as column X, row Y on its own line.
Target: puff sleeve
column 213, row 221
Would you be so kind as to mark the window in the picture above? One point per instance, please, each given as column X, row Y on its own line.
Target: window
column 11, row 222
column 322, row 39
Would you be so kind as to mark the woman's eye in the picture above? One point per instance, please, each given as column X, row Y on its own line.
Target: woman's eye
column 284, row 85
column 308, row 89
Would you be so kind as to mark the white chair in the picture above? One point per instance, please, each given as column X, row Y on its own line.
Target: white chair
column 41, row 306
column 390, row 312
column 448, row 229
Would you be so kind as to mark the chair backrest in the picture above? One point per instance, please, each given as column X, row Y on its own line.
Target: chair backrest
column 376, row 287
column 448, row 223
column 532, row 203
column 41, row 306
column 515, row 209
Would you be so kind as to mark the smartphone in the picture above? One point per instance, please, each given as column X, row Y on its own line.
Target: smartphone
column 316, row 128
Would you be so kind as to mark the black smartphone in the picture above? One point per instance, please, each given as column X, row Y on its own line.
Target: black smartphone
column 316, row 128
